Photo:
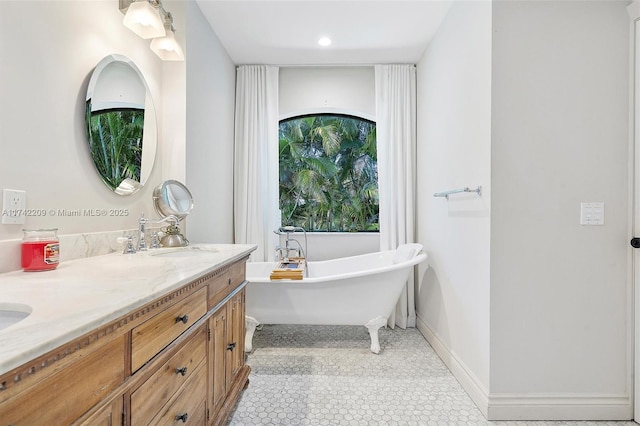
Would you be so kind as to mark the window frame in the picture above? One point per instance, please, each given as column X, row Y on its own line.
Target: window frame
column 339, row 114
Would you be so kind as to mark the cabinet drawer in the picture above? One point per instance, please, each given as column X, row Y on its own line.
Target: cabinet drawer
column 66, row 395
column 152, row 336
column 147, row 400
column 189, row 405
column 221, row 285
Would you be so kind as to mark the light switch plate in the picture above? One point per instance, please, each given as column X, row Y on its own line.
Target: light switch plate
column 14, row 204
column 591, row 213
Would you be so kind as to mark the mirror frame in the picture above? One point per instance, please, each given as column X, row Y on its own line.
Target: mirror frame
column 163, row 202
column 119, row 100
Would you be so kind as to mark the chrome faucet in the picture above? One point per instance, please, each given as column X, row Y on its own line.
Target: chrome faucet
column 142, row 223
column 283, row 254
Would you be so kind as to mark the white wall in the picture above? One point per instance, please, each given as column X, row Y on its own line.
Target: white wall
column 560, row 306
column 49, row 50
column 349, row 90
column 454, row 146
column 210, row 92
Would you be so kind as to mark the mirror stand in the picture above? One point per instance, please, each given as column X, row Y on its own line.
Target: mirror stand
column 172, row 198
column 173, row 237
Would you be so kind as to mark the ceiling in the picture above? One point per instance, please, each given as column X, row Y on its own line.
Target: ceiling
column 287, row 32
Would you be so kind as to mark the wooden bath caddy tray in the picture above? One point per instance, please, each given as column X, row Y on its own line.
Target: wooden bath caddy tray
column 291, row 270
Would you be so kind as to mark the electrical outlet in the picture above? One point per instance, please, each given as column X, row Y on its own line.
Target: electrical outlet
column 14, row 204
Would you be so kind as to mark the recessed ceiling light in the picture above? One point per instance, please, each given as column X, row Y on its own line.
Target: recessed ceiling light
column 324, row 41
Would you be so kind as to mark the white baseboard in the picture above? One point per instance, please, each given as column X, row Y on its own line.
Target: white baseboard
column 560, row 407
column 529, row 406
column 465, row 377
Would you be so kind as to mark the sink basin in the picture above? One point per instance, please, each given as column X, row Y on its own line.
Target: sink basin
column 13, row 313
column 184, row 252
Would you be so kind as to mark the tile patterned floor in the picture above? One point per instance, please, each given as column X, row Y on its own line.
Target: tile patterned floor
column 326, row 375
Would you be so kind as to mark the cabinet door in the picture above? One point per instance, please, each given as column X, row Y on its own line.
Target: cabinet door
column 217, row 365
column 235, row 336
column 109, row 415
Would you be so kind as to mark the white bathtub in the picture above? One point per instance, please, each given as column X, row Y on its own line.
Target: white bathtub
column 357, row 290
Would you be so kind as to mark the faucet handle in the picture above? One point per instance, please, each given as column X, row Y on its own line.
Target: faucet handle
column 155, row 240
column 129, row 247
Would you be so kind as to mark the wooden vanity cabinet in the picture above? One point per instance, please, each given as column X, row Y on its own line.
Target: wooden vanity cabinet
column 177, row 359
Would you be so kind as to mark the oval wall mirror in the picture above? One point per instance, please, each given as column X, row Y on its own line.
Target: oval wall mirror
column 120, row 122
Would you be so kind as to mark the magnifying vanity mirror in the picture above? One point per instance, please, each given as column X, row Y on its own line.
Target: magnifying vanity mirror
column 120, row 122
column 172, row 199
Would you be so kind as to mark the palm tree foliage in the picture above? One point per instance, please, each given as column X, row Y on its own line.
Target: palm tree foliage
column 115, row 143
column 328, row 173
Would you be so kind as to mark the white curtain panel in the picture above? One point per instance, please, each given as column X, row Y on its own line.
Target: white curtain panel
column 396, row 139
column 256, row 159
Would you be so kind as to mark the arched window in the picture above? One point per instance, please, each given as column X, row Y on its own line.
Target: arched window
column 329, row 173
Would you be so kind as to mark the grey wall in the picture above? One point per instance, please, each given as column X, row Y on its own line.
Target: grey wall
column 210, row 110
column 544, row 301
column 560, row 306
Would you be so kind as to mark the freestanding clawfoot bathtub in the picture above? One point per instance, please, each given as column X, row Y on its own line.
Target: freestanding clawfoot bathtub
column 357, row 290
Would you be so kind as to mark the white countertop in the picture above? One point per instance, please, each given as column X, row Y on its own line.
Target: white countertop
column 81, row 295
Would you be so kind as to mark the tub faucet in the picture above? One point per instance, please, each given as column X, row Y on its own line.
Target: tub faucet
column 142, row 223
column 284, row 253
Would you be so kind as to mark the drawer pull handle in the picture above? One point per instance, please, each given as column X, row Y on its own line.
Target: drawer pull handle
column 182, row 370
column 183, row 417
column 183, row 318
column 230, row 346
column 229, row 281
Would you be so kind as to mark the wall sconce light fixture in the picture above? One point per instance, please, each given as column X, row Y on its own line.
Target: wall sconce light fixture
column 167, row 47
column 149, row 19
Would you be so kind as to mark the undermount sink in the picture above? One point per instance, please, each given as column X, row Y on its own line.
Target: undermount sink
column 13, row 313
column 184, row 252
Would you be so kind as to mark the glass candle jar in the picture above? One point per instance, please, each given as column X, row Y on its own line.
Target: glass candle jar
column 40, row 249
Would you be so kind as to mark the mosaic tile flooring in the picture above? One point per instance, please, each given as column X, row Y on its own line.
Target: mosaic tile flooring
column 326, row 375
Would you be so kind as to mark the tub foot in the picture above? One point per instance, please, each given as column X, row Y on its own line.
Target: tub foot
column 250, row 324
column 374, row 325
